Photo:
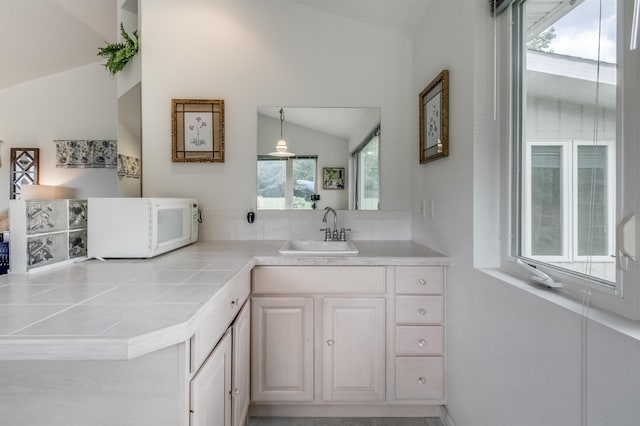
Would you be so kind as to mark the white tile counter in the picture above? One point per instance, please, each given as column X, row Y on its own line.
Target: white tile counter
column 122, row 309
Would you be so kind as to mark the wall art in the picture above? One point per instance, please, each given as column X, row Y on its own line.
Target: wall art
column 197, row 130
column 434, row 119
column 333, row 178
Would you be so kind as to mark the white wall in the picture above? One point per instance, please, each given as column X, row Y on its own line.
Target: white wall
column 513, row 358
column 265, row 53
column 75, row 104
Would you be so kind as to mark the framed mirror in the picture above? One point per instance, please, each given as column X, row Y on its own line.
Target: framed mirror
column 313, row 157
column 24, row 169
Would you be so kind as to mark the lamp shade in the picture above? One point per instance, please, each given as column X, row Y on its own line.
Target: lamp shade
column 46, row 192
column 281, row 146
column 281, row 150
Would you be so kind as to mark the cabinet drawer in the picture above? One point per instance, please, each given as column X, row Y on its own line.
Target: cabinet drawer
column 218, row 315
column 419, row 280
column 419, row 310
column 419, row 340
column 322, row 279
column 420, row 378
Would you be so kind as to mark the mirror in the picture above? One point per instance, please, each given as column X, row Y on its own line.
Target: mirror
column 130, row 143
column 335, row 157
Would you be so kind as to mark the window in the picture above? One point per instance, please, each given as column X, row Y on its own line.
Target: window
column 568, row 206
column 285, row 183
column 574, row 114
column 366, row 164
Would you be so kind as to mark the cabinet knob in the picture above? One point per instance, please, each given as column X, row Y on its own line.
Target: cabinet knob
column 235, row 303
column 422, row 311
column 422, row 380
column 236, row 391
column 422, row 343
column 422, row 281
column 329, row 342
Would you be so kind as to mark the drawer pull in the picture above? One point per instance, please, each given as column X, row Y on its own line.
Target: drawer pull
column 422, row 343
column 422, row 281
column 329, row 342
column 422, row 311
column 422, row 380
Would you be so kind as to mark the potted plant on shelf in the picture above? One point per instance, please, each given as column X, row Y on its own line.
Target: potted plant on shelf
column 118, row 54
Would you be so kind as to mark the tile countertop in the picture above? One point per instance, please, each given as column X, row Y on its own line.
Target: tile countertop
column 121, row 309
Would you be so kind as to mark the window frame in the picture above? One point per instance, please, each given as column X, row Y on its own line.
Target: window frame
column 569, row 172
column 358, row 172
column 623, row 298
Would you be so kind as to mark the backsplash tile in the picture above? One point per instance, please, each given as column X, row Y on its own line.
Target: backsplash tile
column 276, row 229
column 293, row 224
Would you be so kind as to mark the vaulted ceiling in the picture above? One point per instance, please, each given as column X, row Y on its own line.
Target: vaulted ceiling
column 42, row 37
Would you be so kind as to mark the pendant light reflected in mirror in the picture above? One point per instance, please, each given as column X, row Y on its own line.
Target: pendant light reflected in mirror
column 281, row 146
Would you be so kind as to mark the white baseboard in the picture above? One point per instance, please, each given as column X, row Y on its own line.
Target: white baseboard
column 373, row 410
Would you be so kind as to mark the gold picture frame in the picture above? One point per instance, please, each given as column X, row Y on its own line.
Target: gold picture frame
column 434, row 119
column 197, row 130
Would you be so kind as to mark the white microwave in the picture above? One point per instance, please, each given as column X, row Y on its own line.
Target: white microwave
column 139, row 227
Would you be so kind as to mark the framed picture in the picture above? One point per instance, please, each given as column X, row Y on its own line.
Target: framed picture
column 197, row 130
column 434, row 119
column 333, row 178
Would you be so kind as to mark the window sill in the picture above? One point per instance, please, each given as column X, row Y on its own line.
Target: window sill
column 610, row 320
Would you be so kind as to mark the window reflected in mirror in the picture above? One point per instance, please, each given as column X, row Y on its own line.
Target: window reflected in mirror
column 366, row 165
column 287, row 183
column 322, row 139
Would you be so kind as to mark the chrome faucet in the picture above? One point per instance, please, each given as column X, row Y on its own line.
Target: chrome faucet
column 333, row 235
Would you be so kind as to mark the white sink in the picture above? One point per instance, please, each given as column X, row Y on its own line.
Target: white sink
column 318, row 247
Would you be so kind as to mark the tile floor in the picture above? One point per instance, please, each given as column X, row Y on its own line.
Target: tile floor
column 351, row 421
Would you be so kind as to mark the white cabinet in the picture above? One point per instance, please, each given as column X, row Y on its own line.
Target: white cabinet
column 346, row 330
column 210, row 388
column 418, row 365
column 219, row 391
column 362, row 340
column 353, row 361
column 220, row 382
column 241, row 380
column 282, row 345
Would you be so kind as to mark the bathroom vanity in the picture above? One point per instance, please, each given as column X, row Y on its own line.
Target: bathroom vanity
column 168, row 341
column 367, row 338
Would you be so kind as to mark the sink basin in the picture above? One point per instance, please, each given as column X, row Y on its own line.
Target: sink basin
column 318, row 247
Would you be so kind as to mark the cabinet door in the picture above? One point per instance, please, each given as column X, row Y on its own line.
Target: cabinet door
column 241, row 365
column 353, row 356
column 210, row 403
column 282, row 349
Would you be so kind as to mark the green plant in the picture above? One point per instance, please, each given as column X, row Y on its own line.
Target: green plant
column 118, row 54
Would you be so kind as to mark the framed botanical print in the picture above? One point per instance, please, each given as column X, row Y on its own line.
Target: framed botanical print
column 434, row 119
column 197, row 130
